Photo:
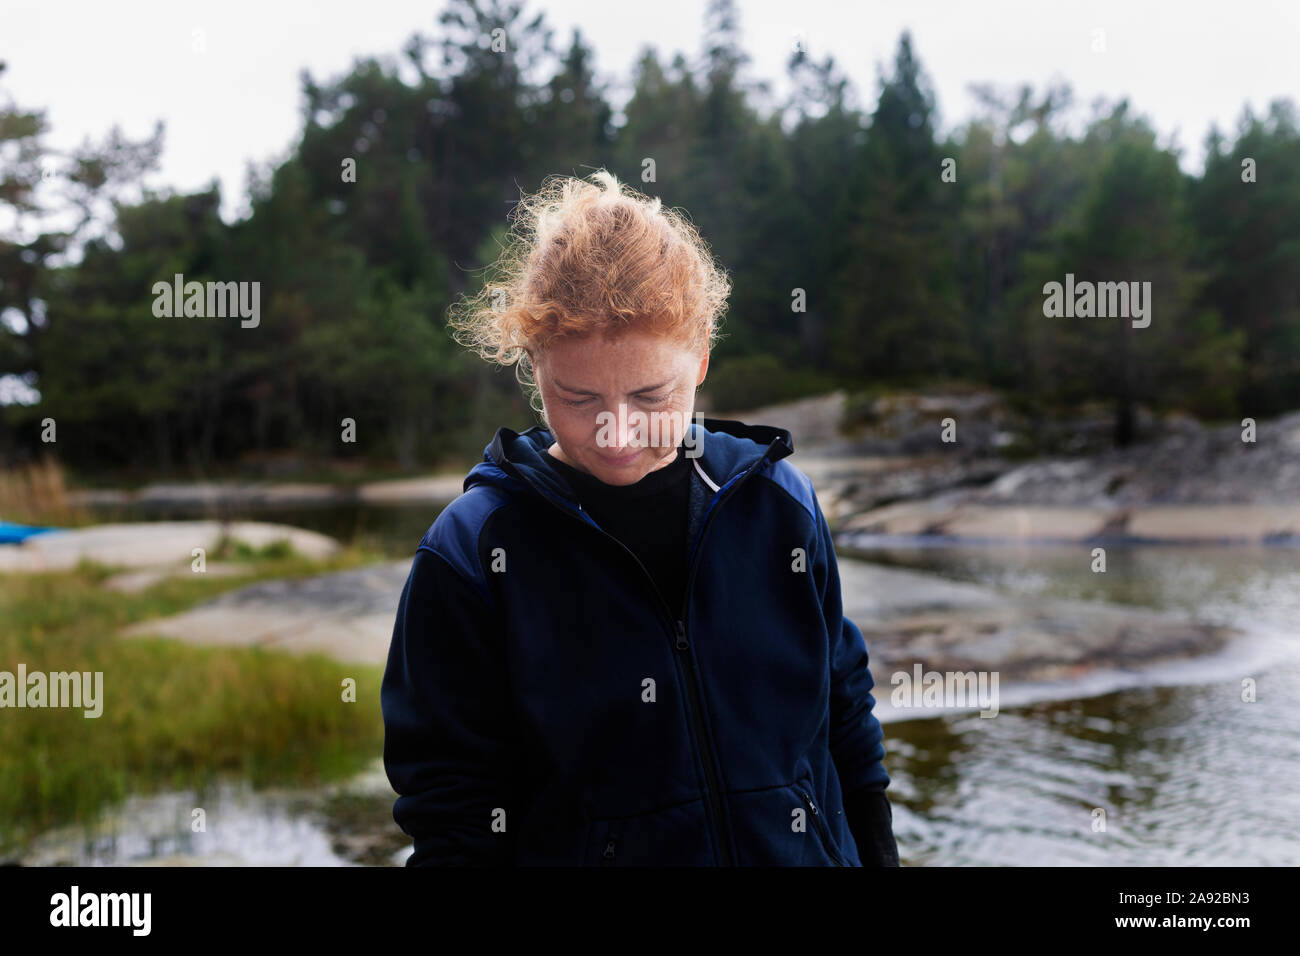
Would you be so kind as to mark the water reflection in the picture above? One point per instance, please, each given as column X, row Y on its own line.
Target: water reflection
column 341, row 825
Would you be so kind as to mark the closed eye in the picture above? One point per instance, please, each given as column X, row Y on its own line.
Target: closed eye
column 648, row 399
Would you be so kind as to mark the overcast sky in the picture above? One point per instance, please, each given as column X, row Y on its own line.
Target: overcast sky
column 1185, row 64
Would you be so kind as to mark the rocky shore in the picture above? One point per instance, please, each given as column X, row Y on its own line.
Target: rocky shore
column 155, row 547
column 883, row 468
column 909, row 617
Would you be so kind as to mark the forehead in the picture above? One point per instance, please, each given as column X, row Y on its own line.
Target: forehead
column 597, row 358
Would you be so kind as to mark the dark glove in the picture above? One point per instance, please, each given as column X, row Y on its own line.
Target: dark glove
column 871, row 820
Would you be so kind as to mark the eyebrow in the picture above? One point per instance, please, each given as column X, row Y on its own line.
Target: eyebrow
column 580, row 391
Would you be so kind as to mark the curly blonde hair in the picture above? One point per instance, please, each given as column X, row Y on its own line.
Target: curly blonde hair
column 581, row 259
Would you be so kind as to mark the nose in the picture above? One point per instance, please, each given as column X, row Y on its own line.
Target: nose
column 627, row 431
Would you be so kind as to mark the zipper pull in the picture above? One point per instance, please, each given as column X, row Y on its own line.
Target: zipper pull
column 681, row 636
column 609, row 850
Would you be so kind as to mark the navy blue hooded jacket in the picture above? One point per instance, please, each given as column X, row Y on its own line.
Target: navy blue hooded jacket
column 543, row 705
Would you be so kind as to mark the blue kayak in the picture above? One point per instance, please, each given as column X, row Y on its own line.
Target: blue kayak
column 18, row 533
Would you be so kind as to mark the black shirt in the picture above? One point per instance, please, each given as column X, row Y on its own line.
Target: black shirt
column 649, row 516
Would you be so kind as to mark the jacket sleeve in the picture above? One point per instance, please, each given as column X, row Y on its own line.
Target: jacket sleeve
column 856, row 738
column 447, row 715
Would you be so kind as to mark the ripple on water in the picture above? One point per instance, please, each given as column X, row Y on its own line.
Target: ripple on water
column 1188, row 773
column 1194, row 777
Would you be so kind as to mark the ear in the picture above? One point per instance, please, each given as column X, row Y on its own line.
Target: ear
column 704, row 369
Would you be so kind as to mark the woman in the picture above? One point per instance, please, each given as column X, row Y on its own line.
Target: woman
column 623, row 644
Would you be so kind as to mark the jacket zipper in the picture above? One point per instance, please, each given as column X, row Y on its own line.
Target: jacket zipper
column 710, row 768
column 684, row 649
column 820, row 824
column 682, row 645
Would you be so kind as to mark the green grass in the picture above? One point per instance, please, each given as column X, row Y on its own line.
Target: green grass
column 175, row 716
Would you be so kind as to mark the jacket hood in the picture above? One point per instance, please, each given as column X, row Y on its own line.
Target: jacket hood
column 725, row 450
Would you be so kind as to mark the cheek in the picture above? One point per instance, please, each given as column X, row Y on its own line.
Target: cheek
column 671, row 419
column 575, row 427
column 681, row 408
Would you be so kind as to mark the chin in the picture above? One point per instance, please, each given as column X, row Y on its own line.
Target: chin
column 619, row 474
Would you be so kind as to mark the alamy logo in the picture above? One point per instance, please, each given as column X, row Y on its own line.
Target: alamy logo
column 218, row 300
column 642, row 430
column 1104, row 300
column 949, row 689
column 56, row 689
column 102, row 909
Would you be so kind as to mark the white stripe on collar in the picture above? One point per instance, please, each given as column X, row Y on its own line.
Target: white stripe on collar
column 707, row 480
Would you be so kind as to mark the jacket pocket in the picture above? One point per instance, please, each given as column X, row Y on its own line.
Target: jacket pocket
column 782, row 826
column 609, row 855
column 601, row 848
column 819, row 824
column 676, row 836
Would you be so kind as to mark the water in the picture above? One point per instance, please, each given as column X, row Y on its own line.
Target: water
column 1187, row 774
column 340, row 825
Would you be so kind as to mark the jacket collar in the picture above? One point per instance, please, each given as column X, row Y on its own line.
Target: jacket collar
column 724, row 450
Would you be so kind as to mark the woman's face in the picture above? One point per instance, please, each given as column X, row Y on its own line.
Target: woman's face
column 583, row 383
